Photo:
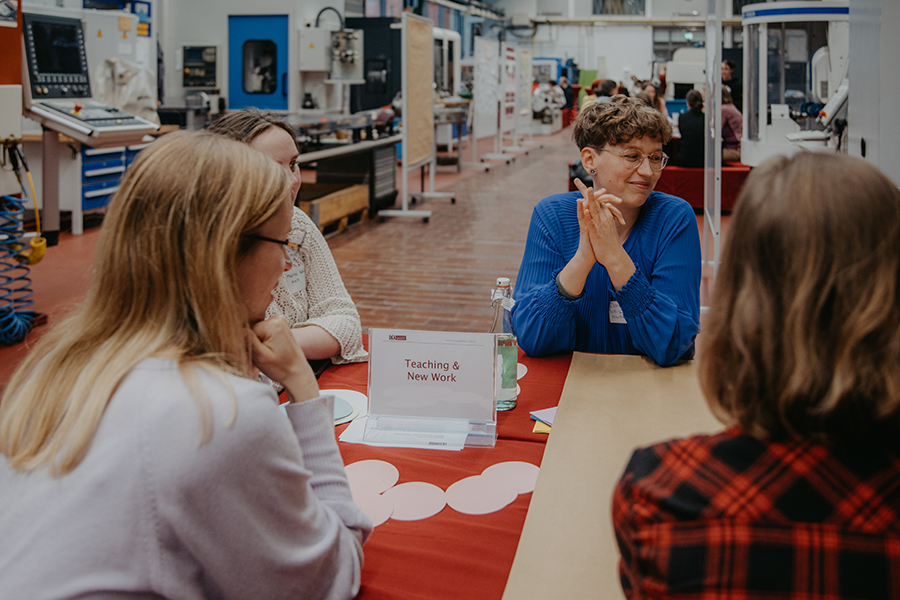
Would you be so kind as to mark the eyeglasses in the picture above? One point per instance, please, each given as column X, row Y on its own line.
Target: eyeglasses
column 283, row 243
column 635, row 159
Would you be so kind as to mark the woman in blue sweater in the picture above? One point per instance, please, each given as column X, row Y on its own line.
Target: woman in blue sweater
column 614, row 268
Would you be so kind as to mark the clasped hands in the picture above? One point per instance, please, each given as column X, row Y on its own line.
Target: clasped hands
column 600, row 240
column 598, row 217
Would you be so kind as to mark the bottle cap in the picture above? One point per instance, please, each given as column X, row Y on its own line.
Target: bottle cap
column 503, row 282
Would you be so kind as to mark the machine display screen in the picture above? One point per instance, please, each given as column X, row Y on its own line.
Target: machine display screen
column 56, row 47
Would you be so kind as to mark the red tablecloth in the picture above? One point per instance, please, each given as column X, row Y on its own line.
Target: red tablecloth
column 453, row 555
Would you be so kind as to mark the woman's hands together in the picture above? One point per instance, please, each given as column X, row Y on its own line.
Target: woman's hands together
column 597, row 220
column 276, row 353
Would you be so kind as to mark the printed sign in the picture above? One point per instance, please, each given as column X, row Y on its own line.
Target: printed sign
column 432, row 374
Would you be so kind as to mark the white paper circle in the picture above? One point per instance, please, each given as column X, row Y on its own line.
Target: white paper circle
column 357, row 400
column 376, row 507
column 479, row 495
column 522, row 476
column 521, row 370
column 370, row 478
column 416, row 500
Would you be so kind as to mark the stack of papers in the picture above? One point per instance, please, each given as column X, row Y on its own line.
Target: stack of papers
column 544, row 418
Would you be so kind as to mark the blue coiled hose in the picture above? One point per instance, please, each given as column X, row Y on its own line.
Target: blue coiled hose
column 15, row 285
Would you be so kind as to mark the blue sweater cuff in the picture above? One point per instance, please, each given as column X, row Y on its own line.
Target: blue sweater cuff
column 636, row 295
column 547, row 304
column 563, row 292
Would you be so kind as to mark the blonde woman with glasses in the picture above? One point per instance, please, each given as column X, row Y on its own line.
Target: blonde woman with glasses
column 139, row 454
column 614, row 268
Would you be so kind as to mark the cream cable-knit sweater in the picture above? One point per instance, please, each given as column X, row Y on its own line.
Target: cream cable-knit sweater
column 312, row 292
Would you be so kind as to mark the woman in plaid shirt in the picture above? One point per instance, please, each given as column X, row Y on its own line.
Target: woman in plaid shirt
column 800, row 496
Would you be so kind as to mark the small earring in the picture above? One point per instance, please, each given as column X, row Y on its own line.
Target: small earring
column 593, row 172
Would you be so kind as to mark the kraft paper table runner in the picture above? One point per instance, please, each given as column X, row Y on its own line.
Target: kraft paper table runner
column 609, row 406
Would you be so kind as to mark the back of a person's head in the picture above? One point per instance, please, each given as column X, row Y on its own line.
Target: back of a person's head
column 164, row 282
column 645, row 98
column 694, row 100
column 726, row 96
column 247, row 124
column 617, row 121
column 607, row 87
column 595, row 86
column 803, row 338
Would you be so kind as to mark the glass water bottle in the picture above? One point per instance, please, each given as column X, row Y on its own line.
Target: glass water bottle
column 507, row 345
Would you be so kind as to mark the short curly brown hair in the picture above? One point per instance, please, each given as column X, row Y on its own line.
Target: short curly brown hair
column 618, row 121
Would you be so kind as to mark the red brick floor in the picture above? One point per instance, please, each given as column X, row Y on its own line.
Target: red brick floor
column 400, row 273
column 439, row 275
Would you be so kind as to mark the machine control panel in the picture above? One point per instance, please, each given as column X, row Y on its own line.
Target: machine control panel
column 58, row 91
column 200, row 66
column 95, row 115
column 54, row 51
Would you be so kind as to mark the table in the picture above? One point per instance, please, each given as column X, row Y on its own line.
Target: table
column 346, row 149
column 371, row 162
column 452, row 555
column 609, row 406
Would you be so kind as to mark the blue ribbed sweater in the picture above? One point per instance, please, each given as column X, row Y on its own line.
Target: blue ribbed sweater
column 661, row 301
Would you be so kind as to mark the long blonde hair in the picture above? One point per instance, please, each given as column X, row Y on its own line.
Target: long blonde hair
column 164, row 283
column 803, row 338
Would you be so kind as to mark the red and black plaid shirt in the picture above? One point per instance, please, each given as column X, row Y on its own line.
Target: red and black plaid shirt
column 727, row 516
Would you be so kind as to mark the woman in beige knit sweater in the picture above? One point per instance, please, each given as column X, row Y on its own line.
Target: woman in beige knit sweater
column 311, row 295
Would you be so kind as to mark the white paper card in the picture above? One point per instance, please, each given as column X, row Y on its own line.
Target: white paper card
column 615, row 313
column 432, row 374
column 295, row 279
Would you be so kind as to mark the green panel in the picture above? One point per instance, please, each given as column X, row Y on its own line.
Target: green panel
column 585, row 77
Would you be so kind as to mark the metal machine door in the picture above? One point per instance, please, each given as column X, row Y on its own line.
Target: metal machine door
column 258, row 61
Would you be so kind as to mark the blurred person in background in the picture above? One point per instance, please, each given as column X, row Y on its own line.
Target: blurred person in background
column 692, row 126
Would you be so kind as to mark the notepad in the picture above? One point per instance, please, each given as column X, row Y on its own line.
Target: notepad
column 540, row 427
